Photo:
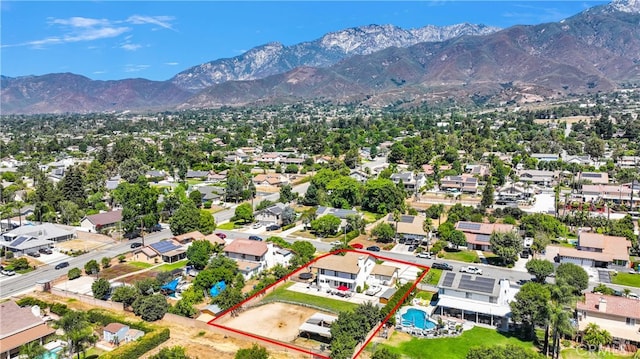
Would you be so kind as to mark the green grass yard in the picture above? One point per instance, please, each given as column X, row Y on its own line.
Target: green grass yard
column 433, row 277
column 285, row 295
column 632, row 280
column 141, row 265
column 574, row 353
column 454, row 348
column 227, row 226
column 171, row 266
column 461, row 255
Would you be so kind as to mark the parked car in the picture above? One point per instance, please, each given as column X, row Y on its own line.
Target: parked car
column 62, row 265
column 357, row 246
column 33, row 254
column 471, row 270
column 412, row 248
column 373, row 248
column 8, row 272
column 273, row 227
column 426, row 255
column 524, row 254
column 136, row 245
column 255, row 238
column 221, row 235
column 256, row 225
column 443, row 266
column 336, row 243
column 156, row 228
column 45, row 251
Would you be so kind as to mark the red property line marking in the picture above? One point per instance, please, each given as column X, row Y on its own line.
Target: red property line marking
column 288, row 346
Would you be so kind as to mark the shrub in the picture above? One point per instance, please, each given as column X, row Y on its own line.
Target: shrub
column 9, row 255
column 289, row 226
column 137, row 349
column 30, row 302
column 207, row 204
column 20, row 263
column 122, row 258
column 74, row 273
column 59, row 309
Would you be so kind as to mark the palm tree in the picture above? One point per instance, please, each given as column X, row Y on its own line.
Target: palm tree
column 32, row 350
column 594, row 336
column 427, row 227
column 77, row 330
column 396, row 218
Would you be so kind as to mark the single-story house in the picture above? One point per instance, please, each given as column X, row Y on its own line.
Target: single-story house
column 546, row 157
column 479, row 234
column 20, row 326
column 409, row 227
column 545, row 178
column 189, row 237
column 115, row 333
column 270, row 179
column 27, row 239
column 170, row 251
column 477, row 170
column 597, row 250
column 146, row 254
column 615, row 193
column 101, row 221
column 594, row 177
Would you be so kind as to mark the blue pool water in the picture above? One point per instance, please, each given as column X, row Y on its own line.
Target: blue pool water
column 417, row 318
column 52, row 354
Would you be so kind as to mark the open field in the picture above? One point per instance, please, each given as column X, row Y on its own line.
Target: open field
column 332, row 305
column 118, row 270
column 279, row 321
column 80, row 245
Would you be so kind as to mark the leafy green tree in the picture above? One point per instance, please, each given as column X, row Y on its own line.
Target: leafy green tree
column 457, row 238
column 383, row 232
column 132, row 169
column 199, row 253
column 184, row 308
column 382, row 196
column 244, row 213
column 69, row 212
column 206, row 222
column 531, row 306
column 91, row 267
column 106, row 262
column 228, row 298
column 346, row 192
column 540, row 269
column 502, row 352
column 74, row 273
column 288, row 216
column 286, row 194
column 596, row 337
column 139, row 205
column 125, row 294
column 185, row 219
column 32, row 350
column 355, row 222
column 304, row 252
column 236, row 184
column 572, row 275
column 507, row 246
column 312, row 196
column 150, row 308
column 264, row 204
column 385, row 353
column 196, row 197
column 176, row 352
column 147, row 286
column 487, row 195
column 100, row 288
column 77, row 331
column 325, row 225
column 255, row 352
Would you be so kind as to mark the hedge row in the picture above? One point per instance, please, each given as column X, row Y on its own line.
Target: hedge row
column 55, row 308
column 103, row 318
column 396, row 298
column 136, row 349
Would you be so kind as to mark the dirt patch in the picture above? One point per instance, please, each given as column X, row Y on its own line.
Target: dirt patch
column 118, row 270
column 277, row 321
column 81, row 244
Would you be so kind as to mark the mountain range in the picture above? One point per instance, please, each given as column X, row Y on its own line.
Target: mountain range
column 595, row 50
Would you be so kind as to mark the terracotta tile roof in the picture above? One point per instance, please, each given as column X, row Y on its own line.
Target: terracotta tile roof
column 114, row 327
column 483, row 228
column 616, row 306
column 246, row 246
column 615, row 247
column 346, row 264
column 106, row 218
column 575, row 253
column 19, row 326
column 384, row 270
column 214, row 239
column 245, row 266
column 191, row 236
column 24, row 337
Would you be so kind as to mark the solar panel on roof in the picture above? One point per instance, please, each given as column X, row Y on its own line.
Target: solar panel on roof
column 483, row 238
column 469, row 226
column 163, row 246
column 406, row 219
column 479, row 284
column 592, row 175
column 18, row 241
column 448, row 279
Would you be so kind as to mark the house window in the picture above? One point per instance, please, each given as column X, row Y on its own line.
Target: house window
column 467, row 295
column 631, row 321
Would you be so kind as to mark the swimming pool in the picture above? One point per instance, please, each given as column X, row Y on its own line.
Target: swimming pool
column 417, row 318
column 52, row 354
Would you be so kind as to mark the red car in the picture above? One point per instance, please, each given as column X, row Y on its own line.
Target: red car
column 221, row 235
column 357, row 246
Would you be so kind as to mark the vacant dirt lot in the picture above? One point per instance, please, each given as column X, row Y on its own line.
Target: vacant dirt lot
column 277, row 321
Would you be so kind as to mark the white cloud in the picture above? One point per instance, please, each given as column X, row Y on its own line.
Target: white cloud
column 131, row 47
column 172, row 63
column 77, row 28
column 162, row 21
column 135, row 68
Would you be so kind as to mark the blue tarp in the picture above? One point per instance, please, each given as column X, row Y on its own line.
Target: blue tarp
column 217, row 289
column 171, row 286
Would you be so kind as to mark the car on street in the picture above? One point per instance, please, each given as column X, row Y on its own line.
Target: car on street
column 442, row 266
column 61, row 265
column 136, row 245
column 273, row 227
column 373, row 248
column 357, row 246
column 8, row 272
column 426, row 255
column 471, row 270
column 221, row 235
column 255, row 238
column 33, row 254
column 45, row 251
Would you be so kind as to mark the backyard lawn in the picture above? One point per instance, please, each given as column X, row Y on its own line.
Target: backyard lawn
column 141, row 265
column 454, row 348
column 575, row 353
column 171, row 266
column 460, row 255
column 285, row 295
column 228, row 226
column 632, row 280
column 433, row 277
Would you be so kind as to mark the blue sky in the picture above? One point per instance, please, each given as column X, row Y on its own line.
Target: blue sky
column 110, row 40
